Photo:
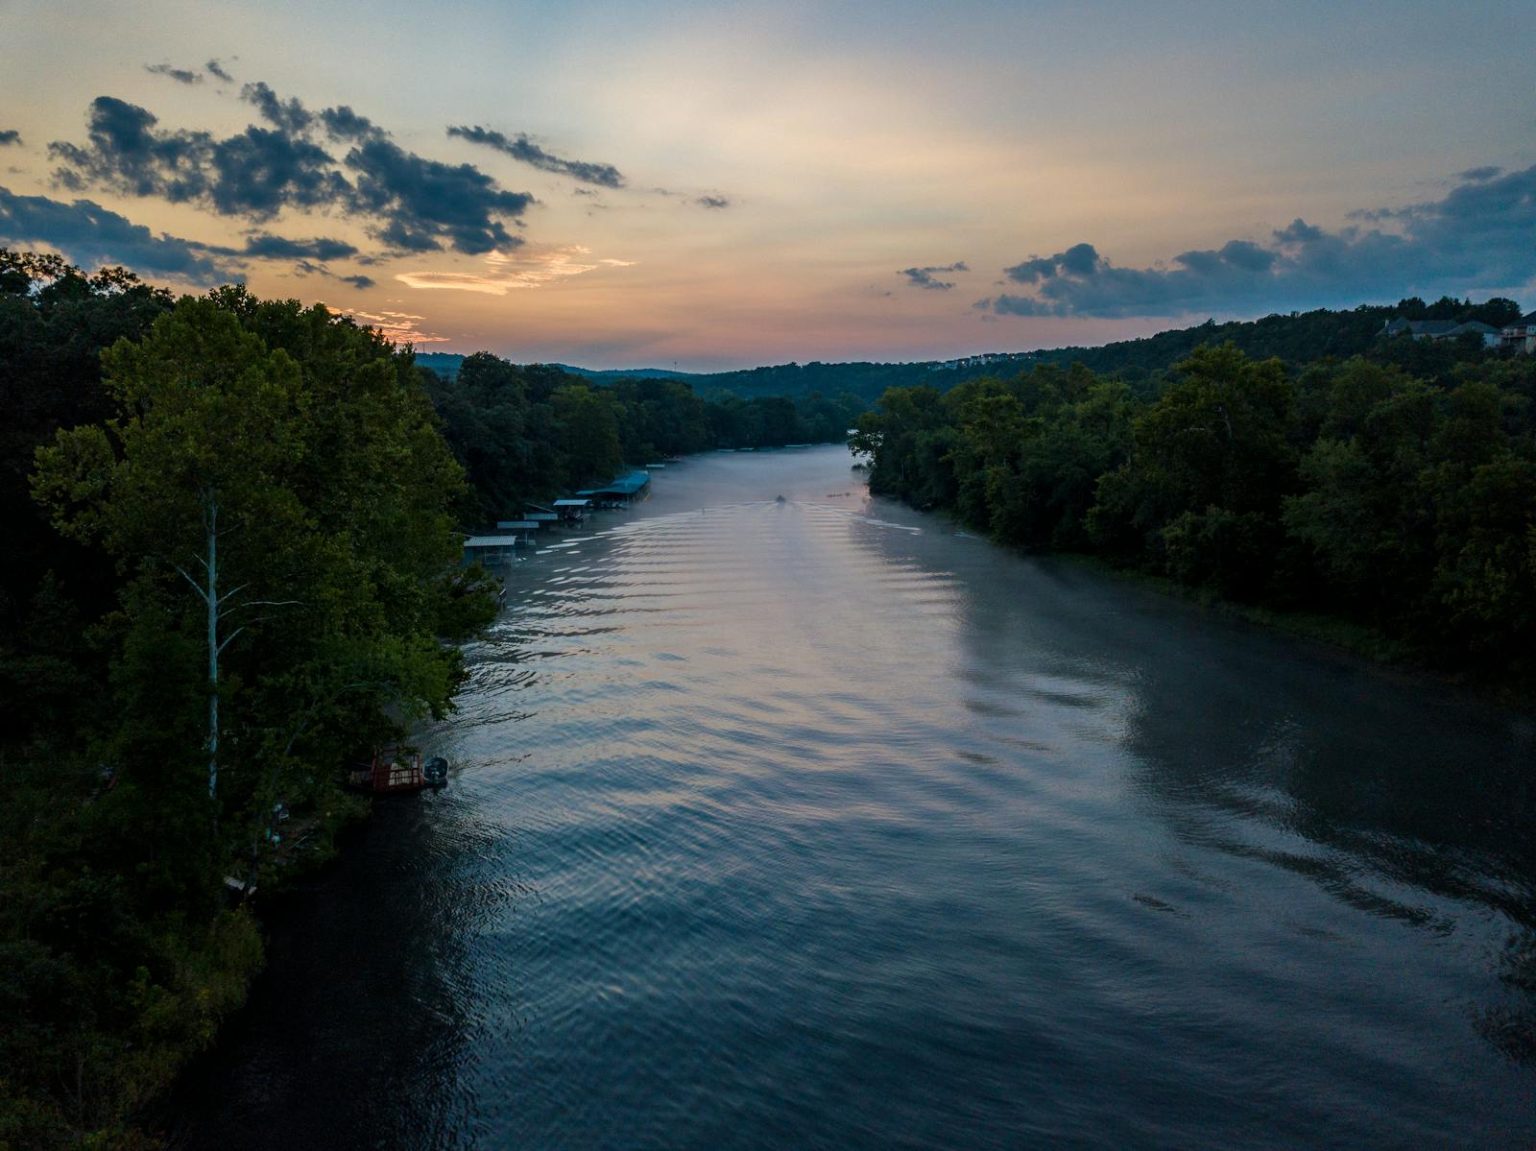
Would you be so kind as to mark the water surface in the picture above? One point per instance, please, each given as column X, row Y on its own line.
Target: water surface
column 818, row 823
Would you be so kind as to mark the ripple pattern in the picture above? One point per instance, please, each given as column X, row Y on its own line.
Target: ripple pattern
column 815, row 823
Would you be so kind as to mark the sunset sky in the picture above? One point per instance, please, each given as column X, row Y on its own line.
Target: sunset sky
column 724, row 185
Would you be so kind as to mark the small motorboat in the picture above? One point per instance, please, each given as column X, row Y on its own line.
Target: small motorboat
column 397, row 769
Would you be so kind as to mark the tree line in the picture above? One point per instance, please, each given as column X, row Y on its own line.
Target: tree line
column 1394, row 490
column 1296, row 338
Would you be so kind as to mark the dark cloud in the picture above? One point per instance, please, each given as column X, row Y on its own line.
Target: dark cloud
column 90, row 236
column 311, row 268
column 256, row 173
column 260, row 172
column 716, row 202
column 341, row 123
column 128, row 155
column 266, row 246
column 9, row 136
column 425, row 202
column 1478, row 237
column 180, row 75
column 524, row 150
column 409, row 203
column 929, row 277
column 216, row 69
column 287, row 115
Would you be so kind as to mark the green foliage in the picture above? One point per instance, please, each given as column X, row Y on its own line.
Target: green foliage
column 269, row 501
column 1350, row 488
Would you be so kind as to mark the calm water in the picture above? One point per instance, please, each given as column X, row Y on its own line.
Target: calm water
column 821, row 824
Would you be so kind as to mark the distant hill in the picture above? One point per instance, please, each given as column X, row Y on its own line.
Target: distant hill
column 445, row 364
column 608, row 375
column 1297, row 338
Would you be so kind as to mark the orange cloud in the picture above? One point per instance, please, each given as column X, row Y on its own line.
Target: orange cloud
column 522, row 269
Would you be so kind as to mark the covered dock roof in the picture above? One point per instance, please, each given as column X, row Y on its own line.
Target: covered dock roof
column 624, row 487
column 490, row 543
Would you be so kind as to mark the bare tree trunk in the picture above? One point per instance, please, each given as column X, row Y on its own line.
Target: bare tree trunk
column 211, row 597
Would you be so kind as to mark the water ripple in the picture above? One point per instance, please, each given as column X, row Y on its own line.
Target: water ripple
column 811, row 824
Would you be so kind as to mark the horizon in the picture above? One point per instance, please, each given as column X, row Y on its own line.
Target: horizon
column 706, row 191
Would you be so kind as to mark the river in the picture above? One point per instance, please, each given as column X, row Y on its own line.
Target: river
column 818, row 823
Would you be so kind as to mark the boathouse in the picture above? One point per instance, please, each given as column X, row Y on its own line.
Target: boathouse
column 521, row 530
column 489, row 549
column 572, row 511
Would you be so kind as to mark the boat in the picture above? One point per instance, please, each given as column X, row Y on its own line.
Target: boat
column 395, row 769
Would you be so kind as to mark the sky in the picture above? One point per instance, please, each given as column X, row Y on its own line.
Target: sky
column 720, row 185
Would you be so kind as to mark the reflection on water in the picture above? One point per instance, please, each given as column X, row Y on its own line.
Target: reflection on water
column 816, row 823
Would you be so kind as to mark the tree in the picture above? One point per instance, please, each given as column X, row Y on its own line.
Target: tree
column 1209, row 465
column 290, row 508
column 204, row 451
column 588, row 433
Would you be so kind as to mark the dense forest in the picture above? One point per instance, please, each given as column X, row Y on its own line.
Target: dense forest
column 233, row 528
column 1393, row 491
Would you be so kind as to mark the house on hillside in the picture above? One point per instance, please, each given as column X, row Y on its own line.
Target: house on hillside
column 1521, row 335
column 1437, row 330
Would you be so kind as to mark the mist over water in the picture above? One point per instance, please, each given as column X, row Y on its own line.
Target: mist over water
column 818, row 823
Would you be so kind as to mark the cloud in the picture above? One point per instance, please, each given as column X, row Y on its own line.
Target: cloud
column 509, row 273
column 524, row 150
column 928, row 277
column 260, row 172
column 288, row 115
column 407, row 202
column 1477, row 238
column 9, row 136
column 266, row 246
column 716, row 202
column 180, row 75
column 310, row 268
column 217, row 70
column 424, row 202
column 91, row 236
column 127, row 154
column 397, row 327
column 341, row 123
